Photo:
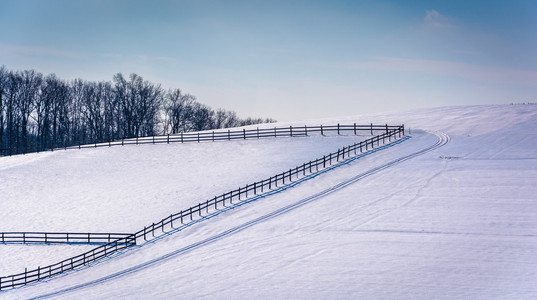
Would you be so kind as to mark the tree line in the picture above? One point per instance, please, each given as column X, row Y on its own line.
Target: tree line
column 43, row 112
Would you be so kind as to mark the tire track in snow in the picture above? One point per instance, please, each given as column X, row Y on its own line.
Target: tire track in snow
column 443, row 139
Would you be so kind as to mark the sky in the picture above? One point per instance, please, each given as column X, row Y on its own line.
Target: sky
column 288, row 60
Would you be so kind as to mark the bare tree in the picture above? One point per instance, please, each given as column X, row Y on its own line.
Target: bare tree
column 3, row 84
column 52, row 117
column 225, row 119
column 177, row 107
column 29, row 91
column 202, row 117
column 12, row 95
column 139, row 104
column 77, row 113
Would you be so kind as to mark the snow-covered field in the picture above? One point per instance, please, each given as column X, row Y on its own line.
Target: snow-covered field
column 456, row 222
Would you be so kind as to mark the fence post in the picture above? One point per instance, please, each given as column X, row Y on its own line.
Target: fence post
column 181, row 137
column 371, row 128
column 306, row 130
column 337, row 128
column 257, row 132
column 322, row 133
column 136, row 141
column 291, row 130
column 198, row 137
column 168, row 140
column 213, row 135
column 244, row 133
column 386, row 128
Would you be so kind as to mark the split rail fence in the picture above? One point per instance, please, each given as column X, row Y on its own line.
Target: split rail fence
column 197, row 212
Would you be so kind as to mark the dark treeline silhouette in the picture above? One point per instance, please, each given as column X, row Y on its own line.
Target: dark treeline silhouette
column 44, row 112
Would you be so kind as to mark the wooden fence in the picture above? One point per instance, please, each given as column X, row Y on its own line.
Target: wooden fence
column 222, row 201
column 223, row 135
column 40, row 273
column 59, row 238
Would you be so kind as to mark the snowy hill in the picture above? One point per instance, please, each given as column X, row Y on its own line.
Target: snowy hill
column 456, row 222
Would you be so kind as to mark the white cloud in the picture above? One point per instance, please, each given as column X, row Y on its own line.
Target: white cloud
column 280, row 50
column 156, row 58
column 17, row 50
column 165, row 58
column 463, row 70
column 434, row 20
column 111, row 55
column 467, row 52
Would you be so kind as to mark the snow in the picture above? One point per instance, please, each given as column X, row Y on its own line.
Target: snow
column 459, row 221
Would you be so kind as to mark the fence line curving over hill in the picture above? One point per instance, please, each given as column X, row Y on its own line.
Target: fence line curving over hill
column 385, row 133
column 222, row 135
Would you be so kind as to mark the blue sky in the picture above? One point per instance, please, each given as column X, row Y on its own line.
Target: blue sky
column 288, row 60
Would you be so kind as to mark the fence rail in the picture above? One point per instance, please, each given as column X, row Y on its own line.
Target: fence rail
column 59, row 237
column 218, row 202
column 222, row 135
